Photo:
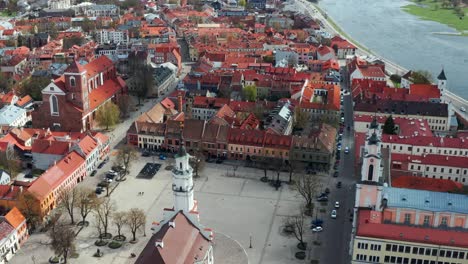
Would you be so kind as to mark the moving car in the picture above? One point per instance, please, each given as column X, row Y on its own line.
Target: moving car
column 322, row 199
column 162, row 157
column 327, row 191
column 333, row 214
column 317, row 229
column 338, row 185
column 346, row 150
column 337, row 204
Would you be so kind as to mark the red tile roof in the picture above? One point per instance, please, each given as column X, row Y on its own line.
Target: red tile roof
column 370, row 71
column 428, row 184
column 52, row 147
column 24, row 100
column 183, row 243
column 9, row 192
column 418, row 234
column 87, row 145
column 432, row 159
column 75, row 67
column 209, row 102
column 424, row 141
column 104, row 92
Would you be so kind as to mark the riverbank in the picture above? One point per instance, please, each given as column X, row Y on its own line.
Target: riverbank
column 391, row 67
column 431, row 10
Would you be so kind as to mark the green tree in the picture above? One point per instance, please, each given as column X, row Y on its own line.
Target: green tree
column 75, row 40
column 389, row 126
column 108, row 115
column 249, row 93
column 242, row 3
column 33, row 86
column 421, row 77
column 87, row 25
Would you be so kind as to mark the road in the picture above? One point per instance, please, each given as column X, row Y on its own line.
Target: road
column 337, row 232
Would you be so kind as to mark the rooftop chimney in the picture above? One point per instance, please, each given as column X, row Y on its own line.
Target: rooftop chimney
column 172, row 224
column 159, row 243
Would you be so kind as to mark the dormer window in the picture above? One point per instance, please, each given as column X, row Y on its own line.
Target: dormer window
column 72, row 82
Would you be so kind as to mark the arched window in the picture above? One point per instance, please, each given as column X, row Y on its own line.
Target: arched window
column 54, row 110
column 72, row 82
column 371, row 172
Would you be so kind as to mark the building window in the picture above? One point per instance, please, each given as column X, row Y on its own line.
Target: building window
column 370, row 173
column 426, row 220
column 54, row 110
column 407, row 218
column 443, row 222
column 72, row 81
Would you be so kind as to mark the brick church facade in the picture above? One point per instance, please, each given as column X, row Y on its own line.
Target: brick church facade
column 70, row 102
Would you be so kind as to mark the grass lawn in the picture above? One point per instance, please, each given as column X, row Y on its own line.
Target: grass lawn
column 430, row 10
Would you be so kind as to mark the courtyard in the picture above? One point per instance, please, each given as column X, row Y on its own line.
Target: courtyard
column 243, row 208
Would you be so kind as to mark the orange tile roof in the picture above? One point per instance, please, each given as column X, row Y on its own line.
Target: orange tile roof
column 88, row 145
column 15, row 218
column 55, row 175
column 24, row 100
column 103, row 93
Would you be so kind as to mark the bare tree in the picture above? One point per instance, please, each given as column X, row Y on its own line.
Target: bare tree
column 104, row 210
column 306, row 186
column 98, row 226
column 120, row 220
column 68, row 201
column 297, row 222
column 125, row 156
column 86, row 202
column 62, row 238
column 293, row 166
column 136, row 219
column 28, row 207
column 124, row 102
column 197, row 161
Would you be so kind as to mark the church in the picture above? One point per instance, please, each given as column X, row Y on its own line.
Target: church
column 179, row 237
column 70, row 102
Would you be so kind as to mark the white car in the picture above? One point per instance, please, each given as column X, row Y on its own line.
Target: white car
column 337, row 204
column 333, row 214
column 317, row 229
column 463, row 109
column 346, row 150
column 108, row 180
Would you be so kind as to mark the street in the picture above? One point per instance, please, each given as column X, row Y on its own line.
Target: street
column 337, row 232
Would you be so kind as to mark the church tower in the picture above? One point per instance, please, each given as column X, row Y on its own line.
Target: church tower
column 372, row 157
column 442, row 83
column 76, row 85
column 182, row 181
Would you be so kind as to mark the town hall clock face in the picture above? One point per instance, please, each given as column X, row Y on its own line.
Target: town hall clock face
column 371, row 160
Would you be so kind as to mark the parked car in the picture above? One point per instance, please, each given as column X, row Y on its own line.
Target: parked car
column 110, row 176
column 103, row 184
column 162, row 157
column 317, row 222
column 327, row 191
column 219, row 161
column 145, row 153
column 317, row 229
column 335, row 174
column 337, row 204
column 338, row 185
column 109, row 180
column 333, row 214
column 98, row 190
column 463, row 109
column 93, row 173
column 101, row 165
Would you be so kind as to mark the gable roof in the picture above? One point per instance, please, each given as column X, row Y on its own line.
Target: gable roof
column 182, row 243
column 15, row 218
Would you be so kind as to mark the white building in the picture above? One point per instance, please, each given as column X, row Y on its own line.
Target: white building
column 8, row 242
column 59, row 4
column 13, row 116
column 101, row 10
column 107, row 36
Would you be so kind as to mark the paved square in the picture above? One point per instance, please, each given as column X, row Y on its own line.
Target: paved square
column 238, row 207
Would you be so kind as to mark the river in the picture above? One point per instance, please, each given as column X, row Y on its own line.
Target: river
column 404, row 39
